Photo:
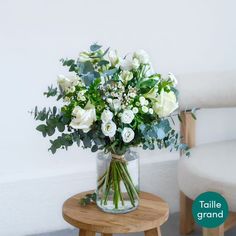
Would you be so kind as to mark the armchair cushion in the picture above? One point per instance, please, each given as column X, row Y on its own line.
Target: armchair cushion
column 211, row 167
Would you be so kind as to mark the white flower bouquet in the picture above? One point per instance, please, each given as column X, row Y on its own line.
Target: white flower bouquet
column 111, row 104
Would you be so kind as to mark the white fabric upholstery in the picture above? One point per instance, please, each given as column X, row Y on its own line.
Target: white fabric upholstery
column 207, row 90
column 211, row 167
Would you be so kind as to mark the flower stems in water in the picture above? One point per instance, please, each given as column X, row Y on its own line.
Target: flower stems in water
column 110, row 182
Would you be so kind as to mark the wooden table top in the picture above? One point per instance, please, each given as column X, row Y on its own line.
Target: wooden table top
column 151, row 213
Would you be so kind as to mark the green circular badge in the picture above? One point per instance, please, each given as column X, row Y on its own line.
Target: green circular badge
column 210, row 210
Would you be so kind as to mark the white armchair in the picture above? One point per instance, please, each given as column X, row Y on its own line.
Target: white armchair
column 211, row 167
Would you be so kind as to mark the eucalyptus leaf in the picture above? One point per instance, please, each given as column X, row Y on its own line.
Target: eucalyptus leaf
column 95, row 47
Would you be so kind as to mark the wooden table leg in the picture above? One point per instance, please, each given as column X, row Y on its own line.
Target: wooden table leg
column 219, row 231
column 153, row 232
column 83, row 232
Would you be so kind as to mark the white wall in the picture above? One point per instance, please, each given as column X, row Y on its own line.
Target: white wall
column 181, row 36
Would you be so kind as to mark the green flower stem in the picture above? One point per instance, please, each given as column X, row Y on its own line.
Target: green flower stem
column 111, row 180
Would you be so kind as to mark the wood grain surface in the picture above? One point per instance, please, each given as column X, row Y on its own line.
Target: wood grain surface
column 151, row 213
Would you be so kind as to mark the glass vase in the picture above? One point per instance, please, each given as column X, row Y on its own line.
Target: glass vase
column 117, row 182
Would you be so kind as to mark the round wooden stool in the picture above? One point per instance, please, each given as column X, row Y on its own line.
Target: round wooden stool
column 148, row 217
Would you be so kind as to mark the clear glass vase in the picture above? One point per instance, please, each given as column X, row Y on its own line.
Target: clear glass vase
column 117, row 182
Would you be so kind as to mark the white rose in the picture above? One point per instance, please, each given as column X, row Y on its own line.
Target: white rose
column 142, row 56
column 126, row 64
column 135, row 63
column 106, row 116
column 165, row 104
column 109, row 129
column 84, row 118
column 126, row 76
column 127, row 135
column 113, row 57
column 127, row 116
column 173, row 79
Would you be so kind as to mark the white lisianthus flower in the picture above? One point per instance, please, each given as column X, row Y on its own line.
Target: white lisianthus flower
column 127, row 116
column 84, row 118
column 135, row 110
column 106, row 116
column 127, row 135
column 145, row 109
column 165, row 104
column 113, row 57
column 173, row 79
column 126, row 76
column 135, row 63
column 142, row 56
column 109, row 129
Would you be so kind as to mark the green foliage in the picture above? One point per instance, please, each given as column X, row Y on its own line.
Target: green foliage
column 86, row 88
column 95, row 47
column 146, row 85
column 52, row 120
column 89, row 198
column 51, row 92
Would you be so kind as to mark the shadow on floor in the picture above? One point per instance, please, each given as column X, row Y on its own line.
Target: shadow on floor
column 171, row 228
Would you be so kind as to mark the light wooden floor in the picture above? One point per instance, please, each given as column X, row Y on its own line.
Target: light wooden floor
column 171, row 228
